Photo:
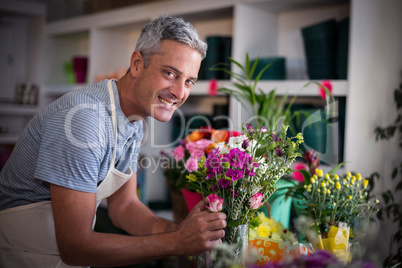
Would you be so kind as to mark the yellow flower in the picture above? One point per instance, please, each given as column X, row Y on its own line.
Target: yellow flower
column 318, row 190
column 336, row 177
column 353, row 180
column 350, row 197
column 365, row 183
column 334, row 204
column 348, row 175
column 323, row 184
column 358, row 176
column 319, row 172
column 263, row 230
column 252, row 233
column 328, row 191
column 327, row 176
column 312, row 180
column 338, row 185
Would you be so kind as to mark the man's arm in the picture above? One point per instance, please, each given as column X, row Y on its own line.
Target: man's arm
column 128, row 213
column 79, row 245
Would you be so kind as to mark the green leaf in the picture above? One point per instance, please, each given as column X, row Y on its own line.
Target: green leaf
column 399, row 186
column 306, row 176
column 233, row 223
column 334, row 169
column 237, row 63
column 250, row 75
column 247, row 65
column 260, row 74
column 394, row 173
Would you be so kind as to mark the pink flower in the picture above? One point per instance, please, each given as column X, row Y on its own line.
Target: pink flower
column 297, row 175
column 255, row 201
column 321, row 90
column 213, row 87
column 197, row 148
column 178, row 153
column 191, row 164
column 214, row 203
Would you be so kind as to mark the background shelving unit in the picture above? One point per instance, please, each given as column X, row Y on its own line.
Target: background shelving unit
column 23, row 44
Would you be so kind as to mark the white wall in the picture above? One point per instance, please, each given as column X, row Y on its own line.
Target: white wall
column 375, row 68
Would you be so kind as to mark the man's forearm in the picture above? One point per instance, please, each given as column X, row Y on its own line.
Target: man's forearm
column 101, row 249
column 137, row 219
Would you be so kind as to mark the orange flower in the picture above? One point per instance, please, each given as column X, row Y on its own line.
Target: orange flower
column 195, row 136
column 219, row 136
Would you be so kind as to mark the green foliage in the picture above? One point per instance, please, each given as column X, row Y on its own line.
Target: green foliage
column 268, row 108
column 331, row 199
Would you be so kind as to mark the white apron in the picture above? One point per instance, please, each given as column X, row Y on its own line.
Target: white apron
column 27, row 234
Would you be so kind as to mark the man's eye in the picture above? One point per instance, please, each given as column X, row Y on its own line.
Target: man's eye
column 170, row 74
column 190, row 82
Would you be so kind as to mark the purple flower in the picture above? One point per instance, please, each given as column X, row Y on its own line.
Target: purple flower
column 234, row 174
column 249, row 128
column 246, row 144
column 237, row 158
column 320, row 258
column 263, row 129
column 224, row 183
column 214, row 187
column 279, row 152
column 275, row 137
column 213, row 163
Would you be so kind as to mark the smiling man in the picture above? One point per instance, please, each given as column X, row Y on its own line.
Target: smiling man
column 84, row 148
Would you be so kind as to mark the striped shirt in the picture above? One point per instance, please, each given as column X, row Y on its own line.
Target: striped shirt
column 70, row 144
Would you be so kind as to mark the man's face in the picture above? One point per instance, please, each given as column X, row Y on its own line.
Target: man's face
column 166, row 82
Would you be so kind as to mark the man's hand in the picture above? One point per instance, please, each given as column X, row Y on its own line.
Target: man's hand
column 200, row 231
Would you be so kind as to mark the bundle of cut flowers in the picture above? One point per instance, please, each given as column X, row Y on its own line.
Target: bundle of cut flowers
column 190, row 150
column 238, row 176
column 271, row 239
column 339, row 208
column 264, row 227
column 329, row 198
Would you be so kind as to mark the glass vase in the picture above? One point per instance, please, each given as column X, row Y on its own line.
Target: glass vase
column 237, row 237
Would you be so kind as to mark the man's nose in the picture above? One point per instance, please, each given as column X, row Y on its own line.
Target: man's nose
column 179, row 90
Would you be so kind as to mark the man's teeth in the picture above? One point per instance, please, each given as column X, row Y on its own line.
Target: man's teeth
column 165, row 102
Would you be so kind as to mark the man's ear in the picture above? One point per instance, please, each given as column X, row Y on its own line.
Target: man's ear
column 136, row 63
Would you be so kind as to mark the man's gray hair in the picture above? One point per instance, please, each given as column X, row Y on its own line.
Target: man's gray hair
column 168, row 28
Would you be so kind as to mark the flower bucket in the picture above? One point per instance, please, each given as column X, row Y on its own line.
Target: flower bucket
column 271, row 250
column 192, row 198
column 337, row 242
column 179, row 205
column 280, row 205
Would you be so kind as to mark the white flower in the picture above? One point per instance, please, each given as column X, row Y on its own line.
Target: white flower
column 237, row 142
column 222, row 148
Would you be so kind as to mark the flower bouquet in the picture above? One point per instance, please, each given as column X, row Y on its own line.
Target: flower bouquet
column 187, row 154
column 271, row 239
column 339, row 206
column 238, row 176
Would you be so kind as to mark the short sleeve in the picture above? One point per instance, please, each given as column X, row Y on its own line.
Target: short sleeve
column 136, row 151
column 72, row 149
